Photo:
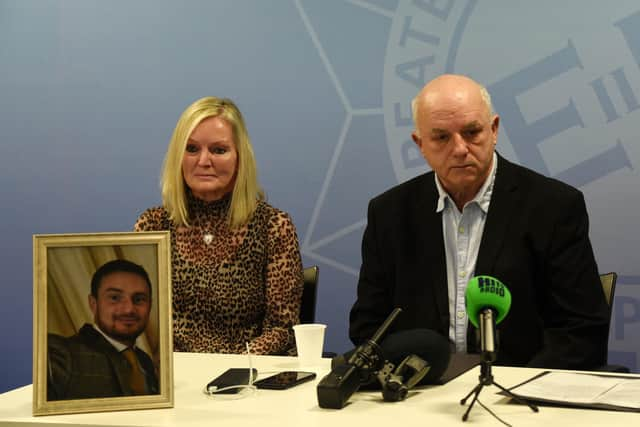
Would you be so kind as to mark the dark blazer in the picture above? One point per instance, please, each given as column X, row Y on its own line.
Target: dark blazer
column 535, row 241
column 86, row 365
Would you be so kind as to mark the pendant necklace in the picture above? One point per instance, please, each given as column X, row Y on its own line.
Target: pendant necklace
column 208, row 238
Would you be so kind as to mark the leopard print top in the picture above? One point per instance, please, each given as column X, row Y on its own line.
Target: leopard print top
column 241, row 285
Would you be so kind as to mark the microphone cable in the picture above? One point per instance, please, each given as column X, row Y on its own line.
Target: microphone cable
column 244, row 390
column 486, row 408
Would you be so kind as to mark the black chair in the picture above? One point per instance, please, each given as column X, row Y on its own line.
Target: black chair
column 608, row 281
column 309, row 295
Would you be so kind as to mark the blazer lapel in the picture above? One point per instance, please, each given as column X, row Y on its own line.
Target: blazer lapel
column 503, row 204
column 434, row 261
column 118, row 363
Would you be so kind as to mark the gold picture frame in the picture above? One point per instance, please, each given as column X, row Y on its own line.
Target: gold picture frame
column 64, row 310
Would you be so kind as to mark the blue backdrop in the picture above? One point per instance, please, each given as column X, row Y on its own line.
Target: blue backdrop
column 90, row 91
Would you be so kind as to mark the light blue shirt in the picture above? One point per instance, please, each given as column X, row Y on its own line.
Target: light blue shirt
column 462, row 235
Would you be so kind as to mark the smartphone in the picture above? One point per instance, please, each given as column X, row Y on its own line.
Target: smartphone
column 233, row 378
column 285, row 380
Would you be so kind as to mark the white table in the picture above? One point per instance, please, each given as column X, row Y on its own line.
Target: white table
column 427, row 406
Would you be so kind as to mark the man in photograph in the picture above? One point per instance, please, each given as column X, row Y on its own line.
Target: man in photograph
column 102, row 360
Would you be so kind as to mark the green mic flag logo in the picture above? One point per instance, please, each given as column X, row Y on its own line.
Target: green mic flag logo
column 487, row 292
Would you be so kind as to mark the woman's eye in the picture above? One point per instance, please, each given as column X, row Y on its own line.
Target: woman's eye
column 191, row 148
column 218, row 150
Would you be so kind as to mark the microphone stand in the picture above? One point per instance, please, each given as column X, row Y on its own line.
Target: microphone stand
column 486, row 379
column 488, row 350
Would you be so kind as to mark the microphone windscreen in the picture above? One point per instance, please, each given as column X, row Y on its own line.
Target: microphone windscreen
column 486, row 292
column 424, row 343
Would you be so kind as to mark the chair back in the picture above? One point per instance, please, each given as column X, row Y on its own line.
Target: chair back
column 608, row 281
column 309, row 294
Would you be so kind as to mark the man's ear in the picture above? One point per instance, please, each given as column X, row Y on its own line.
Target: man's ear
column 416, row 139
column 93, row 304
column 495, row 124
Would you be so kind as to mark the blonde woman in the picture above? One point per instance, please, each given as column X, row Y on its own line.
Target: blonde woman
column 237, row 273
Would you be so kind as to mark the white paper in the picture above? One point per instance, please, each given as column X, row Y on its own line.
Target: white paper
column 582, row 388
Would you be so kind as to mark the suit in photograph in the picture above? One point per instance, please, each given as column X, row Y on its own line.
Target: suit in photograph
column 86, row 365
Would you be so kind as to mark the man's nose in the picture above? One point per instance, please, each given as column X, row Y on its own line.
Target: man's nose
column 127, row 305
column 460, row 147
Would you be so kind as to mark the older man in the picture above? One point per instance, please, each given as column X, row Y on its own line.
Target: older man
column 477, row 213
column 102, row 360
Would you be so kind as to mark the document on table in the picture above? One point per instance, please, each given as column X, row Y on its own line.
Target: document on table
column 583, row 390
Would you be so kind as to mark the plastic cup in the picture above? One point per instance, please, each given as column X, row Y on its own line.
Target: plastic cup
column 309, row 343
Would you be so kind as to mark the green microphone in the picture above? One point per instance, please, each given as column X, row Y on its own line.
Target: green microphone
column 488, row 301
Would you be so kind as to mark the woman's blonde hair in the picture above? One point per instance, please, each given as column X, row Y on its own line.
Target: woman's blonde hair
column 246, row 189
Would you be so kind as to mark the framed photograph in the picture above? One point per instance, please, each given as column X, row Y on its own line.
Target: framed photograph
column 102, row 322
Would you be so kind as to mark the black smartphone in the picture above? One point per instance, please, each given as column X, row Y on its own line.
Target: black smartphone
column 232, row 377
column 284, row 380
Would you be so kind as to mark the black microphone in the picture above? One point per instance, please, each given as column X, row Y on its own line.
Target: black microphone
column 335, row 389
column 488, row 301
column 424, row 343
column 420, row 356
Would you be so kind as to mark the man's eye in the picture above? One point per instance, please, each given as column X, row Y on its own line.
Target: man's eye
column 140, row 299
column 471, row 133
column 191, row 148
column 441, row 138
column 114, row 298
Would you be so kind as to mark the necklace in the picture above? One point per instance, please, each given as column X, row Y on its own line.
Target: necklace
column 208, row 238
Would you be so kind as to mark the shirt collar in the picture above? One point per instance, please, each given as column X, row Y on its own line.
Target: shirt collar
column 118, row 345
column 482, row 198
